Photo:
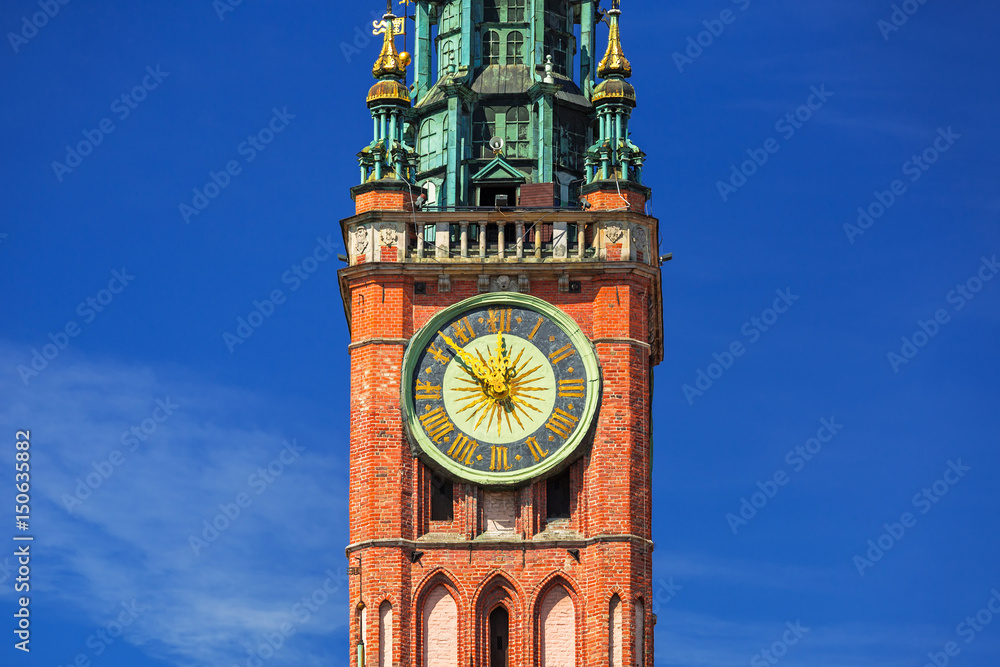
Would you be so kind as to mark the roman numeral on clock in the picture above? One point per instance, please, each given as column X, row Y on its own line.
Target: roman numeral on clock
column 436, row 424
column 438, row 353
column 428, row 391
column 536, row 449
column 531, row 336
column 498, row 458
column 463, row 449
column 499, row 320
column 561, row 422
column 563, row 352
column 464, row 331
column 571, row 388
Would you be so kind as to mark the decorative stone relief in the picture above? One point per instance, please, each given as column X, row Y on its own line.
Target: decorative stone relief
column 613, row 232
column 564, row 283
column 639, row 241
column 360, row 239
column 444, row 283
column 387, row 234
column 523, row 284
column 484, row 284
column 559, row 251
column 504, row 284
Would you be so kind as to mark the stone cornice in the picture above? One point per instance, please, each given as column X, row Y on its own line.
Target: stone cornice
column 494, row 545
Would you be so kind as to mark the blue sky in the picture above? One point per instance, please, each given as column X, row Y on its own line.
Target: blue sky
column 724, row 590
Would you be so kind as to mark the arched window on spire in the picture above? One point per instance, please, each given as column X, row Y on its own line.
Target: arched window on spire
column 515, row 48
column 448, row 56
column 491, row 48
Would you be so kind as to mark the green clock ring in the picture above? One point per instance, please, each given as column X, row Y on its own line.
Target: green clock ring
column 499, row 389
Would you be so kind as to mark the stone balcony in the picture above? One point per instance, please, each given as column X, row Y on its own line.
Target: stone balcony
column 501, row 236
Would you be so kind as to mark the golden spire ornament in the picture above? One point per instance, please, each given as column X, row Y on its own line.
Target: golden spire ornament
column 389, row 63
column 614, row 63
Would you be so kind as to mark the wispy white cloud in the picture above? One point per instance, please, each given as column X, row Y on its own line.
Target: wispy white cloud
column 130, row 537
column 731, row 635
column 694, row 639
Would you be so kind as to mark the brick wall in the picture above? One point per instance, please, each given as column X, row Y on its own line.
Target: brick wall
column 385, row 200
column 390, row 489
column 610, row 200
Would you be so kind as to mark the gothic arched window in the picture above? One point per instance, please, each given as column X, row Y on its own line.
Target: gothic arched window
column 439, row 618
column 557, row 623
column 515, row 48
column 385, row 634
column 491, row 48
column 615, row 632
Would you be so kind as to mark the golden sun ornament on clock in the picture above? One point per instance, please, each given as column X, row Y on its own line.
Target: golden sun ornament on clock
column 499, row 389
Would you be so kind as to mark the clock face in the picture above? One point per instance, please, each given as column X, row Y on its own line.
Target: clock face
column 499, row 388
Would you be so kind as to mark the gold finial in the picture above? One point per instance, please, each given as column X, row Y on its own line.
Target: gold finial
column 614, row 63
column 389, row 62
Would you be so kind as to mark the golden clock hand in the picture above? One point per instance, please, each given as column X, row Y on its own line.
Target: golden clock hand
column 474, row 364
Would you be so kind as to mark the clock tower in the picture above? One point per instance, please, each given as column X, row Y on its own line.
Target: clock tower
column 504, row 305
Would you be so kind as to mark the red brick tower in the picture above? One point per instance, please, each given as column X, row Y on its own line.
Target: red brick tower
column 523, row 540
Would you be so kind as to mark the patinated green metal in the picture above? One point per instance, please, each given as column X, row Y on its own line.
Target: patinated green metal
column 504, row 69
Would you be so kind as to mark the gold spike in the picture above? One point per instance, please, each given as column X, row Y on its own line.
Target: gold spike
column 614, row 62
column 388, row 63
